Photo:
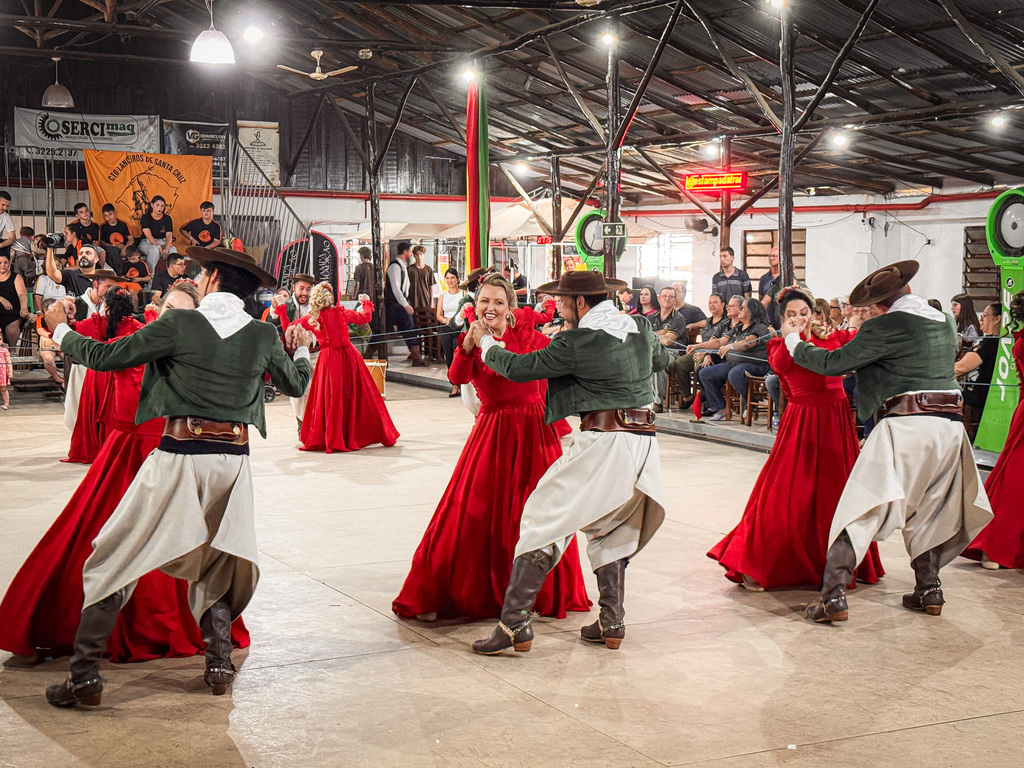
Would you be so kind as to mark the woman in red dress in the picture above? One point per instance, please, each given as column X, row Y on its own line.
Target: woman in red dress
column 39, row 614
column 782, row 539
column 344, row 410
column 462, row 565
column 1001, row 543
column 96, row 402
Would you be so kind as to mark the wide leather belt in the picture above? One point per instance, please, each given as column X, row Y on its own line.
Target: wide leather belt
column 193, row 428
column 639, row 421
column 949, row 405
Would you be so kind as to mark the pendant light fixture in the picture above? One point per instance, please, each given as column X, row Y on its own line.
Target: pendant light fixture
column 57, row 96
column 212, row 47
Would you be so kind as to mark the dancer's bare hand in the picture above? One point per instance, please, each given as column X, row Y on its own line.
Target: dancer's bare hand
column 296, row 336
column 794, row 324
column 362, row 297
column 56, row 314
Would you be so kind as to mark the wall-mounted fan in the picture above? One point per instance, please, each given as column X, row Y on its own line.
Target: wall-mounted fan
column 318, row 73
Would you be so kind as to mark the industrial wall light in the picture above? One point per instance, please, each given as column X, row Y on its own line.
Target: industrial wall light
column 468, row 74
column 608, row 38
column 996, row 121
column 212, row 47
column 57, row 96
column 713, row 149
column 839, row 139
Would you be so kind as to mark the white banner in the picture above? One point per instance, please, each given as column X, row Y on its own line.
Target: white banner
column 262, row 142
column 40, row 133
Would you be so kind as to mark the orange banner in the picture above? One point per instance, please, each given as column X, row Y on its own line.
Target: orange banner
column 129, row 180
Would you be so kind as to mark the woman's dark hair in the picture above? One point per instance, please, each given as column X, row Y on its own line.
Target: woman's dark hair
column 996, row 307
column 233, row 280
column 119, row 306
column 756, row 310
column 1017, row 309
column 452, row 271
column 153, row 200
column 968, row 316
column 935, row 304
column 792, row 294
column 655, row 304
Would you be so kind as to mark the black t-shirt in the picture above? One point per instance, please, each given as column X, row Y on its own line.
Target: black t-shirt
column 975, row 391
column 157, row 227
column 133, row 270
column 74, row 282
column 759, row 350
column 87, row 234
column 519, row 283
column 691, row 313
column 675, row 323
column 116, row 234
column 207, row 235
column 162, row 281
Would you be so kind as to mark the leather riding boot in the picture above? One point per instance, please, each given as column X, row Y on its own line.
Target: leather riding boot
column 839, row 566
column 216, row 627
column 609, row 628
column 927, row 594
column 514, row 630
column 417, row 360
column 84, row 685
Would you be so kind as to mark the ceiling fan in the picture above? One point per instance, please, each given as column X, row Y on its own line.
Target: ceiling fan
column 317, row 74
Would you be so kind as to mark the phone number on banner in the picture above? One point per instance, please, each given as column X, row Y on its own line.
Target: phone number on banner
column 55, row 153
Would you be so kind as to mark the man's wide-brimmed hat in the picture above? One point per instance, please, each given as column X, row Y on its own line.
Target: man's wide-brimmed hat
column 580, row 283
column 101, row 273
column 884, row 283
column 474, row 276
column 232, row 258
column 303, row 278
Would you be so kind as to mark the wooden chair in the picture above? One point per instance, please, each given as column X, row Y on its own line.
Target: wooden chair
column 972, row 418
column 431, row 349
column 758, row 399
column 732, row 402
column 673, row 390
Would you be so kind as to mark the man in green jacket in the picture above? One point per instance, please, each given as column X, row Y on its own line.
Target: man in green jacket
column 916, row 472
column 189, row 510
column 608, row 483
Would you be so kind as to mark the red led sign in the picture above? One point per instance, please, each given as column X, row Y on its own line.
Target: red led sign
column 725, row 181
column 545, row 239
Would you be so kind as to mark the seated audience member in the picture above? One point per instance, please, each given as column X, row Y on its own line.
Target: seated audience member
column 835, row 312
column 115, row 238
column 87, row 230
column 72, row 245
column 157, row 241
column 977, row 365
column 716, row 327
column 136, row 272
column 692, row 314
column 847, row 310
column 626, row 300
column 205, row 230
column 23, row 261
column 822, row 313
column 173, row 271
column 935, row 304
column 48, row 351
column 967, row 324
column 647, row 303
column 670, row 327
column 70, row 276
column 746, row 351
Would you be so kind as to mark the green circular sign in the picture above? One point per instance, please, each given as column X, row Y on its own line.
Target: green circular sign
column 1004, row 229
column 590, row 242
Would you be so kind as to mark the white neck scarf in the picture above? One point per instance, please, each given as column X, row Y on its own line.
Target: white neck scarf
column 605, row 317
column 916, row 305
column 225, row 312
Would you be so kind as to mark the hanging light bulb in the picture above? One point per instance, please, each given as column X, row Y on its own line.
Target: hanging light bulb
column 253, row 34
column 839, row 139
column 607, row 38
column 521, row 168
column 212, row 47
column 997, row 121
column 468, row 74
column 713, row 149
column 57, row 96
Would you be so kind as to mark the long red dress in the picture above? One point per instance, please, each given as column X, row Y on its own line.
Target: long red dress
column 782, row 539
column 41, row 609
column 95, row 404
column 344, row 410
column 1002, row 540
column 462, row 566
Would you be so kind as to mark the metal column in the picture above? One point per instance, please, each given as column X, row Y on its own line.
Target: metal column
column 380, row 349
column 725, row 217
column 613, row 168
column 788, row 144
column 556, row 218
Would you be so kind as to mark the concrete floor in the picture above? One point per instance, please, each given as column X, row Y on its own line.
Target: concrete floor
column 709, row 675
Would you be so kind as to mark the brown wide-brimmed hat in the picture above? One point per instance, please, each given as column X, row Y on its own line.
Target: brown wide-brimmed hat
column 304, row 278
column 101, row 273
column 580, row 283
column 474, row 276
column 232, row 258
column 884, row 283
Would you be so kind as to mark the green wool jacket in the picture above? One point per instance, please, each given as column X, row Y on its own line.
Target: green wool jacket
column 191, row 371
column 893, row 353
column 589, row 370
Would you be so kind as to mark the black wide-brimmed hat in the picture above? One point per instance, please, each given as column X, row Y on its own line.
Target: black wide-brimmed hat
column 582, row 283
column 304, row 278
column 474, row 276
column 884, row 283
column 232, row 258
